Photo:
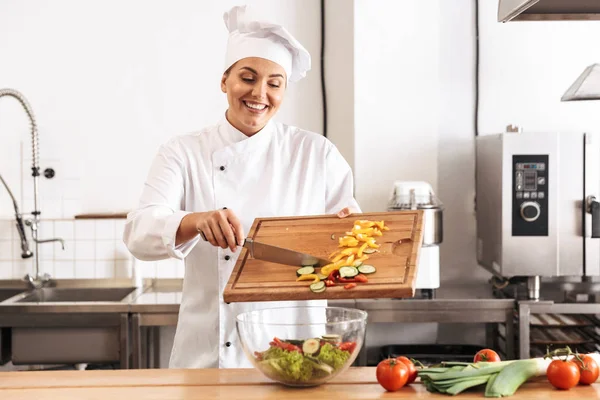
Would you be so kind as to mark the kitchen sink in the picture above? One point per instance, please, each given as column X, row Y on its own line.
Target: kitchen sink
column 8, row 293
column 56, row 295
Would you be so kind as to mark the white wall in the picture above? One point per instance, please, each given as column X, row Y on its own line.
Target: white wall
column 526, row 68
column 110, row 81
column 396, row 83
column 339, row 75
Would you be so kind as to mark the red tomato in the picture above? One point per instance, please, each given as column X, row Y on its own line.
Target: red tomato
column 392, row 374
column 563, row 374
column 412, row 370
column 588, row 370
column 486, row 355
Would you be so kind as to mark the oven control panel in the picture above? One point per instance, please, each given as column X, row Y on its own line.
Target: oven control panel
column 530, row 195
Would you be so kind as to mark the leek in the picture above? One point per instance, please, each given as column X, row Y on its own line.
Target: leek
column 501, row 379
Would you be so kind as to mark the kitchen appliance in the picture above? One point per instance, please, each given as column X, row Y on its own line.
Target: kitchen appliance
column 548, row 10
column 418, row 195
column 538, row 210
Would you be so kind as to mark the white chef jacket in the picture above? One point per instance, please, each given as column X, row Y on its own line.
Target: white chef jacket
column 279, row 171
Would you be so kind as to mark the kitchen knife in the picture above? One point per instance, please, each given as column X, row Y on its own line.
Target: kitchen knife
column 267, row 252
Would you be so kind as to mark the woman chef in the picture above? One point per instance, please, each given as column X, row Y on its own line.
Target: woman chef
column 213, row 183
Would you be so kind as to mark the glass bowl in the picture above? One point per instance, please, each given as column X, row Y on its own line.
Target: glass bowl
column 302, row 346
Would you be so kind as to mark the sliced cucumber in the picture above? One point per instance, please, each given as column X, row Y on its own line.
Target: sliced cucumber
column 369, row 251
column 305, row 271
column 332, row 338
column 322, row 277
column 357, row 263
column 366, row 269
column 348, row 272
column 318, row 287
column 311, row 346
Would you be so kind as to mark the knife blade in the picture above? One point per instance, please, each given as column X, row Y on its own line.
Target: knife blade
column 279, row 255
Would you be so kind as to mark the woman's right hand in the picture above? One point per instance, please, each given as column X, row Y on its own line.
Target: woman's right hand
column 221, row 228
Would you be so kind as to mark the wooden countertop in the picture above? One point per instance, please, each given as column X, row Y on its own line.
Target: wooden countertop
column 356, row 383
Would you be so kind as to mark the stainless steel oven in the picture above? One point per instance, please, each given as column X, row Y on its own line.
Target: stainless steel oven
column 537, row 205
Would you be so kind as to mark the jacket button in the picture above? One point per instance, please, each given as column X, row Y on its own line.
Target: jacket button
column 228, row 344
column 227, row 258
column 222, row 168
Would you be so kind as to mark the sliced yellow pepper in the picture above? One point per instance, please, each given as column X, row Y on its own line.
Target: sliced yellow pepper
column 361, row 237
column 308, row 277
column 348, row 241
column 326, row 266
column 363, row 258
column 363, row 223
column 366, row 231
column 349, row 251
column 350, row 260
column 326, row 270
column 361, row 249
column 338, row 257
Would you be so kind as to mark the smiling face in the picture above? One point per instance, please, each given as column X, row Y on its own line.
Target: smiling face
column 254, row 88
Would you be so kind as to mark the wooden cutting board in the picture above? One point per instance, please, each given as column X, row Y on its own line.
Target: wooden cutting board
column 396, row 262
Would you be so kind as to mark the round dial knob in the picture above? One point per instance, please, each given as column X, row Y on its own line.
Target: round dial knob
column 530, row 211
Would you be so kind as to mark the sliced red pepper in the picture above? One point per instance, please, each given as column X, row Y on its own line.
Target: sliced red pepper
column 348, row 346
column 350, row 285
column 285, row 346
column 333, row 275
column 361, row 278
column 329, row 283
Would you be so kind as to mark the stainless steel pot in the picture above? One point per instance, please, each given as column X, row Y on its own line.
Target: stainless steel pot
column 414, row 195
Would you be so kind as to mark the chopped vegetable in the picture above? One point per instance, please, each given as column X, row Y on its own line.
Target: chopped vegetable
column 332, row 338
column 308, row 277
column 322, row 277
column 311, row 346
column 302, row 366
column 318, row 287
column 366, row 269
column 348, row 272
column 305, row 270
column 354, row 249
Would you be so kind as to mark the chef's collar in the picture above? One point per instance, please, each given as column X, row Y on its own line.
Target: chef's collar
column 239, row 142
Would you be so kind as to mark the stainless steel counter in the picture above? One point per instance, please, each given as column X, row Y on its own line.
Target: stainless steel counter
column 156, row 304
column 155, row 295
column 80, row 320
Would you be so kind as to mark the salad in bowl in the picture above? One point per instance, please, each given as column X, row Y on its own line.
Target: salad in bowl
column 302, row 346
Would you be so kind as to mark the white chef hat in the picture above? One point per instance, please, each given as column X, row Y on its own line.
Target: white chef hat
column 251, row 38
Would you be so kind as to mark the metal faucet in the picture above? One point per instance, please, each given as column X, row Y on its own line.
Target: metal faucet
column 38, row 280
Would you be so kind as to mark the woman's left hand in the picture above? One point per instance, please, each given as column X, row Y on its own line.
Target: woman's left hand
column 344, row 212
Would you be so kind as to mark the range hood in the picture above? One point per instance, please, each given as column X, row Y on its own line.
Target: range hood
column 548, row 10
column 586, row 86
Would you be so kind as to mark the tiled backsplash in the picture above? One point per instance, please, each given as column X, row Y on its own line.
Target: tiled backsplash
column 94, row 248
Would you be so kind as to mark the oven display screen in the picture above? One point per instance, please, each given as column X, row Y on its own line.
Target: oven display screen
column 530, row 180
